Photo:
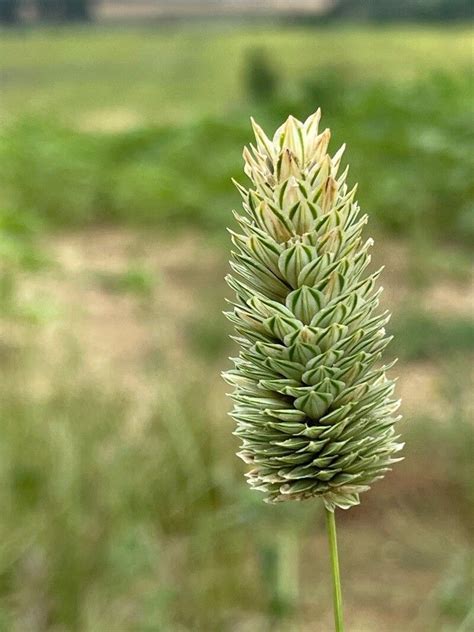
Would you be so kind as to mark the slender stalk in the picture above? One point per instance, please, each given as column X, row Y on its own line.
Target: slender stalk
column 336, row 577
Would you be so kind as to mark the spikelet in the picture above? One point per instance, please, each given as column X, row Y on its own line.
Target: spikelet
column 314, row 407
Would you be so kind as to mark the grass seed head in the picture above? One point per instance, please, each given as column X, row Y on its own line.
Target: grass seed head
column 314, row 408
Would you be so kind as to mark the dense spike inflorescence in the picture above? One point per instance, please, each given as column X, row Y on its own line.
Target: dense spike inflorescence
column 314, row 407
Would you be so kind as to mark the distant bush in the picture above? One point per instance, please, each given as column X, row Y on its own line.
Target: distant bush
column 409, row 147
column 259, row 76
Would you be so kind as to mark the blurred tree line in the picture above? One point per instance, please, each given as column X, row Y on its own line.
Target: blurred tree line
column 11, row 11
column 46, row 10
column 403, row 9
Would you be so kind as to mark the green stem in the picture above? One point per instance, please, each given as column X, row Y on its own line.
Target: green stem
column 336, row 577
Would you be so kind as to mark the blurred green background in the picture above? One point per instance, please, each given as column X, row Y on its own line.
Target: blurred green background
column 123, row 505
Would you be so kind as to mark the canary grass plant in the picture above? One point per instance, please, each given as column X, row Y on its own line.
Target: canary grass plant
column 314, row 407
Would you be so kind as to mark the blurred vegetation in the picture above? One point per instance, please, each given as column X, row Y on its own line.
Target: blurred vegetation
column 400, row 98
column 104, row 520
column 46, row 10
column 58, row 11
column 114, row 526
column 413, row 140
column 385, row 10
column 179, row 73
column 421, row 336
column 123, row 506
column 260, row 77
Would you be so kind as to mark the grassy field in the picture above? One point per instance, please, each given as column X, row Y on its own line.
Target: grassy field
column 121, row 77
column 146, row 127
column 125, row 508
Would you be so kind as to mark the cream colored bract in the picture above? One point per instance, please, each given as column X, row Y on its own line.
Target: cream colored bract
column 313, row 405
